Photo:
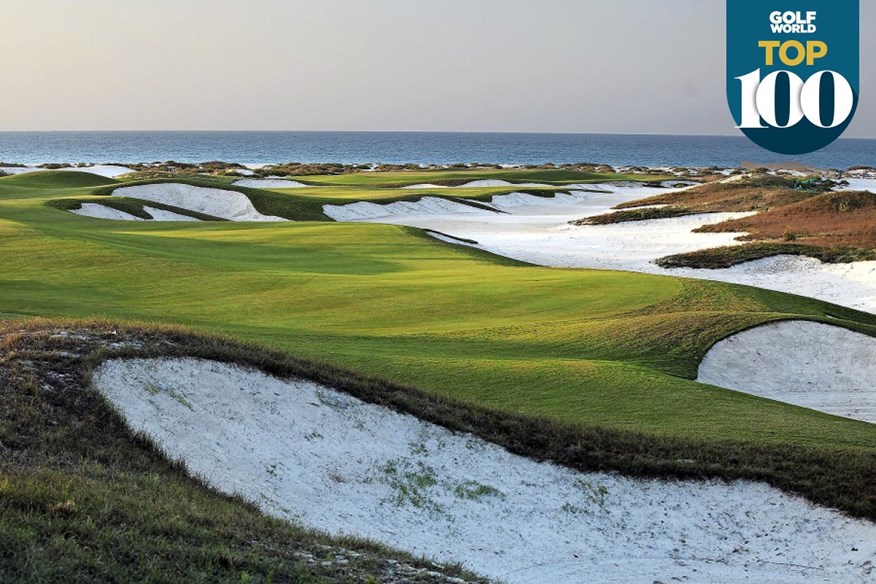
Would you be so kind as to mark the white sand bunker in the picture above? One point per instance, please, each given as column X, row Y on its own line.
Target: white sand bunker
column 305, row 452
column 426, row 206
column 270, row 183
column 852, row 285
column 219, row 203
column 99, row 211
column 817, row 366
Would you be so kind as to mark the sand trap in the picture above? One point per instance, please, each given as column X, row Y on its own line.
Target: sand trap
column 162, row 215
column 860, row 184
column 432, row 206
column 219, row 203
column 99, row 211
column 817, row 366
column 480, row 184
column 269, row 183
column 425, row 206
column 425, row 186
column 306, row 453
column 535, row 230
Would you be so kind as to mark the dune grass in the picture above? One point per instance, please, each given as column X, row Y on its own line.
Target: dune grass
column 844, row 219
column 131, row 206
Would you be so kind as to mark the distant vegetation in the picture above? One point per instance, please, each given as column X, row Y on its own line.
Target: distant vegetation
column 795, row 216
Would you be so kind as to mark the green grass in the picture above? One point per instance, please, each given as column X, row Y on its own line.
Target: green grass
column 630, row 215
column 610, row 350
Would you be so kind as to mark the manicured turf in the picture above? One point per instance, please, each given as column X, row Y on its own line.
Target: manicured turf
column 614, row 349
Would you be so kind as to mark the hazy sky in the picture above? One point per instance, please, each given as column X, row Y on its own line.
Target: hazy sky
column 639, row 66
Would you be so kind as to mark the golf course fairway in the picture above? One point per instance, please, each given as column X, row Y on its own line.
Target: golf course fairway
column 611, row 349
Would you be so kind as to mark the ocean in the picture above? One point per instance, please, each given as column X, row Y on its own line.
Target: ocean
column 411, row 147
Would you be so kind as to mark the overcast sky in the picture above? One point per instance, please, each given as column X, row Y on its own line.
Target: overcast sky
column 624, row 66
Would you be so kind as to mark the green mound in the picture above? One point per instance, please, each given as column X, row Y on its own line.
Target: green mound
column 56, row 179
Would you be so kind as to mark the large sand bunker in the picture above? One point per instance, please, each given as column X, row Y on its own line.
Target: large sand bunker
column 536, row 230
column 98, row 211
column 220, row 203
column 270, row 183
column 307, row 453
column 817, row 366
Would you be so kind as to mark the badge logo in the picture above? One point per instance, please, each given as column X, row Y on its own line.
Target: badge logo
column 793, row 71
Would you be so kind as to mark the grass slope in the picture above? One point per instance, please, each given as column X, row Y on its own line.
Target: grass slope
column 613, row 351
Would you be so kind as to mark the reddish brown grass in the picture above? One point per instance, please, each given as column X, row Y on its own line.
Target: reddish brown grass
column 832, row 219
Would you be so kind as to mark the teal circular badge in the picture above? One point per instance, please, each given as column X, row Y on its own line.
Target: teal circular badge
column 793, row 71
